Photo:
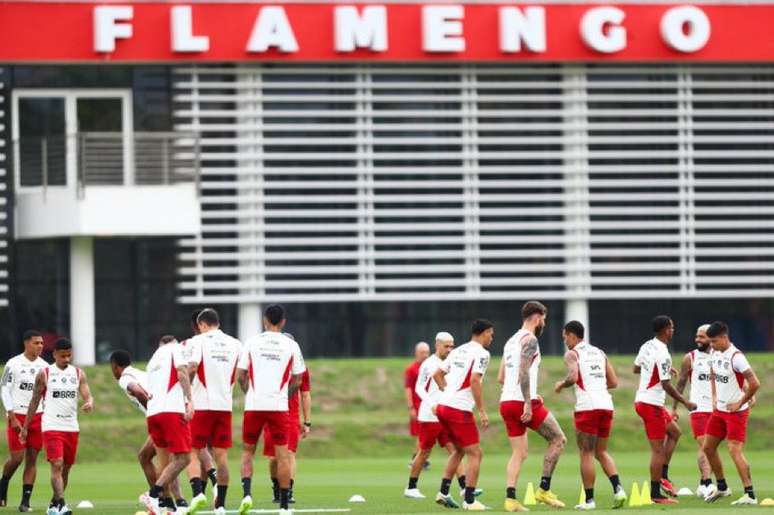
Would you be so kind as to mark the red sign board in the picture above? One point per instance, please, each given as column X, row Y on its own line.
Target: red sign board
column 167, row 32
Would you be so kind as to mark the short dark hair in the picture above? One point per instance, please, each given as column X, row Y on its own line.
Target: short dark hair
column 63, row 344
column 480, row 325
column 274, row 314
column 167, row 338
column 29, row 334
column 717, row 328
column 208, row 316
column 531, row 307
column 660, row 323
column 575, row 327
column 121, row 358
column 195, row 316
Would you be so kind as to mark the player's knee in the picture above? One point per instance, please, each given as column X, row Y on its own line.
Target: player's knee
column 559, row 441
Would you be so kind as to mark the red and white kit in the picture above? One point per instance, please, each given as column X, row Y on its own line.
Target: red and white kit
column 455, row 408
column 655, row 364
column 294, row 419
column 16, row 388
column 166, row 407
column 410, row 380
column 131, row 376
column 270, row 359
column 430, row 430
column 511, row 399
column 216, row 355
column 728, row 368
column 701, row 391
column 60, row 413
column 593, row 403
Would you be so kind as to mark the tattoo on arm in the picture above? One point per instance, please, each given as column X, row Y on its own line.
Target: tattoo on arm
column 571, row 362
column 243, row 380
column 185, row 382
column 294, row 386
column 553, row 434
column 528, row 352
column 685, row 371
column 37, row 394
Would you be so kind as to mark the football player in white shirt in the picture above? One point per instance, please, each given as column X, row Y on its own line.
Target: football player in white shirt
column 654, row 365
column 592, row 375
column 212, row 358
column 16, row 387
column 733, row 389
column 695, row 369
column 58, row 386
column 460, row 378
column 519, row 376
column 269, row 371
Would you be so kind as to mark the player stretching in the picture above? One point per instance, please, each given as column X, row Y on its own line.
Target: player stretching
column 134, row 383
column 519, row 376
column 16, row 390
column 169, row 411
column 730, row 370
column 696, row 370
column 269, row 371
column 460, row 379
column 654, row 364
column 410, row 379
column 59, row 385
column 592, row 374
column 212, row 357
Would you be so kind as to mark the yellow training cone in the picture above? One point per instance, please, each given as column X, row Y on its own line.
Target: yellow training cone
column 634, row 497
column 768, row 501
column 645, row 498
column 582, row 498
column 529, row 496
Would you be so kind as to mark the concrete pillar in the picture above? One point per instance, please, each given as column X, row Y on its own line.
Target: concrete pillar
column 82, row 319
column 250, row 320
column 578, row 309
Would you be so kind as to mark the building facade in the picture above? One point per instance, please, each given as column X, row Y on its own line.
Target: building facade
column 387, row 170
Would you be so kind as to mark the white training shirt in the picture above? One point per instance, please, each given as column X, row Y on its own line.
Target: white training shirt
column 512, row 359
column 18, row 383
column 729, row 367
column 701, row 387
column 216, row 354
column 655, row 363
column 462, row 362
column 131, row 376
column 427, row 389
column 163, row 385
column 591, row 388
column 60, row 402
column 270, row 359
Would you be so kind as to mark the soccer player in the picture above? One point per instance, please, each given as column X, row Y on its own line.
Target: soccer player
column 170, row 408
column 134, row 383
column 410, row 377
column 58, row 385
column 269, row 372
column 212, row 358
column 695, row 369
column 730, row 371
column 460, row 378
column 16, row 387
column 592, row 375
column 519, row 376
column 654, row 364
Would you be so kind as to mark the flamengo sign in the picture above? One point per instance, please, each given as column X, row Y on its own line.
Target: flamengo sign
column 397, row 32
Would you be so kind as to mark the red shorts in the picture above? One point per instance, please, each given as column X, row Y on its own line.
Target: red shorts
column 699, row 423
column 34, row 436
column 431, row 433
column 511, row 412
column 459, row 425
column 255, row 421
column 597, row 422
column 414, row 427
column 656, row 419
column 170, row 431
column 61, row 445
column 294, row 434
column 732, row 426
column 211, row 428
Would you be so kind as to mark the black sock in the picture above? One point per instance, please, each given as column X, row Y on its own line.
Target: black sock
column 749, row 491
column 155, row 491
column 181, row 503
column 470, row 494
column 722, row 486
column 665, row 471
column 655, row 490
column 705, row 482
column 220, row 500
column 26, row 494
column 197, row 486
column 615, row 481
column 589, row 494
column 61, row 503
column 167, row 502
column 284, row 498
column 4, row 488
column 461, row 481
column 545, row 483
column 445, row 486
column 213, row 475
column 275, row 488
column 246, row 482
column 510, row 492
column 413, row 482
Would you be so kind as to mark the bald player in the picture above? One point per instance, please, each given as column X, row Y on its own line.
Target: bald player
column 410, row 377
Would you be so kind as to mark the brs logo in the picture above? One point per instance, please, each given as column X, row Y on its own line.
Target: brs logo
column 26, row 387
column 721, row 379
column 63, row 394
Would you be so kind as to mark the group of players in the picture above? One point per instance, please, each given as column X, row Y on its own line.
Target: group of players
column 186, row 395
column 443, row 389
